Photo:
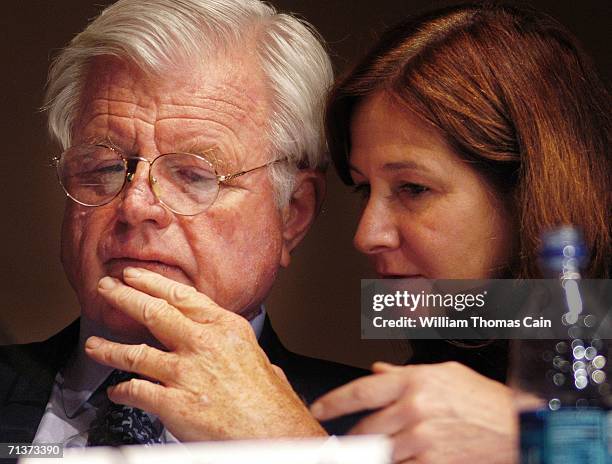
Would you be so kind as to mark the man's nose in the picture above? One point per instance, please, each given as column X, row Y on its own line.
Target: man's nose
column 138, row 203
column 377, row 231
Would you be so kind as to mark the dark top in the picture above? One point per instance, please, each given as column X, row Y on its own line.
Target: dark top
column 491, row 360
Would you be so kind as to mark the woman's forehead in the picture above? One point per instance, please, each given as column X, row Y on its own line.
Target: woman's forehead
column 396, row 138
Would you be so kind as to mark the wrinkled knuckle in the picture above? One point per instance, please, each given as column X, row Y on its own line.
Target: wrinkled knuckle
column 156, row 398
column 123, row 296
column 135, row 355
column 152, row 310
column 133, row 388
column 107, row 355
column 182, row 293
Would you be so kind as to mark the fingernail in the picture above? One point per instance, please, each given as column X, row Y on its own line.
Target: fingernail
column 93, row 342
column 106, row 283
column 316, row 409
column 132, row 272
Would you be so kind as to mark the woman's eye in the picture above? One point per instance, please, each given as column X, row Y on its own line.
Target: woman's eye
column 363, row 190
column 413, row 190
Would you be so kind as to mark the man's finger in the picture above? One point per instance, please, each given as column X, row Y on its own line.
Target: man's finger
column 193, row 304
column 164, row 321
column 140, row 359
column 371, row 392
column 139, row 393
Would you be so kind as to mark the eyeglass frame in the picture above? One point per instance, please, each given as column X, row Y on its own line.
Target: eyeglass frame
column 129, row 176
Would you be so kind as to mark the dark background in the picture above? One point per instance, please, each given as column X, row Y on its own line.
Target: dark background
column 315, row 304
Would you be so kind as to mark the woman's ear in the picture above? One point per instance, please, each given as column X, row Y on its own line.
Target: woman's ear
column 303, row 207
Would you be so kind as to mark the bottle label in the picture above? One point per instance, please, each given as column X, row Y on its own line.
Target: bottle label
column 609, row 431
column 566, row 436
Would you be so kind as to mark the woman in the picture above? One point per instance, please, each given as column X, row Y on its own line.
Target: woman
column 469, row 132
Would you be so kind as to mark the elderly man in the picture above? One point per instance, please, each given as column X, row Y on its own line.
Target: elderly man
column 192, row 159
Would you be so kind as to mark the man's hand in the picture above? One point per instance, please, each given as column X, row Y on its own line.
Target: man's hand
column 214, row 382
column 433, row 412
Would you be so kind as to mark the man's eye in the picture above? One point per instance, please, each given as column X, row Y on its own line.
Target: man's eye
column 109, row 169
column 100, row 170
column 191, row 175
column 363, row 190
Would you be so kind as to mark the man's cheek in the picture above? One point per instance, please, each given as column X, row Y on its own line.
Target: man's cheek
column 77, row 243
column 71, row 235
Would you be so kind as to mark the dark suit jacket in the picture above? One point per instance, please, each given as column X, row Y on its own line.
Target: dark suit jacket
column 27, row 373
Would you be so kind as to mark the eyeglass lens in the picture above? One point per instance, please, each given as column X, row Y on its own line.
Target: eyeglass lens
column 93, row 175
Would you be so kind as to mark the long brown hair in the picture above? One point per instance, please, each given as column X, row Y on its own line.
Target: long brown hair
column 515, row 96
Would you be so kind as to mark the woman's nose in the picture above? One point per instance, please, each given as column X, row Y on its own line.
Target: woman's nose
column 376, row 231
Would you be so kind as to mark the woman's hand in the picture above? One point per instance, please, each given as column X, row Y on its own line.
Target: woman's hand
column 434, row 413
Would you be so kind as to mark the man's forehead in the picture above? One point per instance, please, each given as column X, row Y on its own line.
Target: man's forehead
column 230, row 77
column 222, row 102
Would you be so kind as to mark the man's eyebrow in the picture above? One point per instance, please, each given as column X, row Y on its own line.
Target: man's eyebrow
column 195, row 148
column 101, row 140
column 206, row 151
column 116, row 143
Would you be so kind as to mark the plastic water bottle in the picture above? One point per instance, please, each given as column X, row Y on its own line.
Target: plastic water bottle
column 571, row 376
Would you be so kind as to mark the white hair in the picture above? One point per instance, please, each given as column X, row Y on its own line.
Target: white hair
column 155, row 34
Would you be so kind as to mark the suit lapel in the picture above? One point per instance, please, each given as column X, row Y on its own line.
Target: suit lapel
column 27, row 373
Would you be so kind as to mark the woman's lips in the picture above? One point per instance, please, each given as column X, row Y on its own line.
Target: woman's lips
column 399, row 276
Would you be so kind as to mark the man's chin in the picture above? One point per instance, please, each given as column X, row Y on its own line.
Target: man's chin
column 120, row 328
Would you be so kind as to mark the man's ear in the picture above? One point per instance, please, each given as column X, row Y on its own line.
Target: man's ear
column 303, row 207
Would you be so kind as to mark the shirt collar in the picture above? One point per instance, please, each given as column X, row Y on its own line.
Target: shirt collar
column 258, row 322
column 82, row 376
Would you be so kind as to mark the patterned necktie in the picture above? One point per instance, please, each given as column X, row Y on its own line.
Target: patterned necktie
column 117, row 424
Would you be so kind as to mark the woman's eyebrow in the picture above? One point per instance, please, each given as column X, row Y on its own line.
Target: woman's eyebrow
column 397, row 166
column 401, row 165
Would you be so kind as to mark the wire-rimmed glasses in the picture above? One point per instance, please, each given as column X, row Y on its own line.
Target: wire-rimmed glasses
column 186, row 183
